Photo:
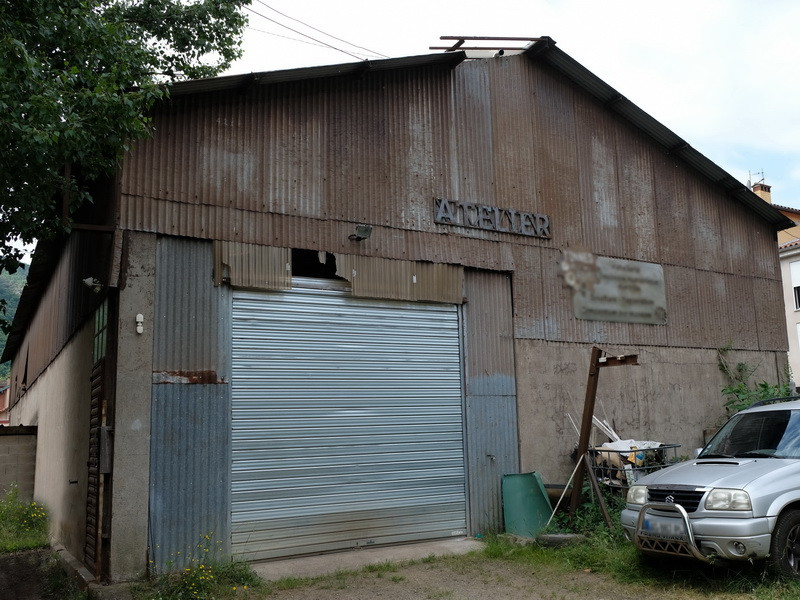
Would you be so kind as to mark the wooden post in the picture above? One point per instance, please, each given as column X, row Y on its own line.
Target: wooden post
column 598, row 359
column 586, row 428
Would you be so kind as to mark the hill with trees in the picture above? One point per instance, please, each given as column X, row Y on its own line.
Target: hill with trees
column 10, row 291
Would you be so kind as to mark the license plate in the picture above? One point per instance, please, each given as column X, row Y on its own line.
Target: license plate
column 665, row 530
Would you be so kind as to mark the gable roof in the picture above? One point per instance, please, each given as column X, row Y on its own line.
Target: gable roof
column 543, row 51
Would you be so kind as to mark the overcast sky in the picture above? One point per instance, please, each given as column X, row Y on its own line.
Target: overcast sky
column 722, row 74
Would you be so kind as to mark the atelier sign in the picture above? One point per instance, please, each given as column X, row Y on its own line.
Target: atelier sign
column 490, row 218
column 614, row 289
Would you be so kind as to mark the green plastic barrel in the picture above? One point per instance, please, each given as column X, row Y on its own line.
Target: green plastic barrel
column 526, row 507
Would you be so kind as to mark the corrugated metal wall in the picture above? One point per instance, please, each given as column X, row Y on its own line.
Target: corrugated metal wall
column 491, row 396
column 64, row 307
column 296, row 165
column 190, row 420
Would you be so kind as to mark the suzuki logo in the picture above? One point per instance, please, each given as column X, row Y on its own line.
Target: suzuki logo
column 670, row 499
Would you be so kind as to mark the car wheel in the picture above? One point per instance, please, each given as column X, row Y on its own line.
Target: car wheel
column 784, row 554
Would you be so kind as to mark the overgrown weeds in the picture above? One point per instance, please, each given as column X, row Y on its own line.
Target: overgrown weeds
column 605, row 550
column 204, row 577
column 23, row 525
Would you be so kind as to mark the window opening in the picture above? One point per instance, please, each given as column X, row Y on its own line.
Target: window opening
column 311, row 263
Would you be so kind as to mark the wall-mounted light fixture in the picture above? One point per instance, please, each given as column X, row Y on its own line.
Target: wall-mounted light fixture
column 362, row 233
column 93, row 284
column 140, row 323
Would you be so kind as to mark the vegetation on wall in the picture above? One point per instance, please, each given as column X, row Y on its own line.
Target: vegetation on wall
column 742, row 390
column 10, row 290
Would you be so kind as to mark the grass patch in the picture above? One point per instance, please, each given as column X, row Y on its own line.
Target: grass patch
column 605, row 550
column 23, row 525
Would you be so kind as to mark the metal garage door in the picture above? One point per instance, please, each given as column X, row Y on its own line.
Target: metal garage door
column 347, row 422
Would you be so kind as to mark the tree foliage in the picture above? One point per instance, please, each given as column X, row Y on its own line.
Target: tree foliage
column 77, row 79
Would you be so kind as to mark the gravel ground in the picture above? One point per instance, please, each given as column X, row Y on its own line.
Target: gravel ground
column 476, row 578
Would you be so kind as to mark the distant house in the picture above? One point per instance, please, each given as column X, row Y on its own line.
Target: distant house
column 331, row 307
column 4, row 394
column 789, row 252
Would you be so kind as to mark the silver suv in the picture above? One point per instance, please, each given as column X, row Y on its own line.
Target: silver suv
column 738, row 500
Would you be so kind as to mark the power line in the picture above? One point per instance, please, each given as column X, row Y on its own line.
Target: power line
column 285, row 37
column 255, row 12
column 373, row 52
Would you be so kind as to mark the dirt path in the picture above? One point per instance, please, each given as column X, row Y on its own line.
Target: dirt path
column 470, row 578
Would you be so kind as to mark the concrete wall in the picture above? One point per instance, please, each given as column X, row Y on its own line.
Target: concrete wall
column 58, row 403
column 670, row 388
column 17, row 460
column 129, row 511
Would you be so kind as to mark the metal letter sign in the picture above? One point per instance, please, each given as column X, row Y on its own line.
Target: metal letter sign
column 490, row 218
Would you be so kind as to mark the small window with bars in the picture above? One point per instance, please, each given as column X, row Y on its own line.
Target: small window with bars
column 100, row 332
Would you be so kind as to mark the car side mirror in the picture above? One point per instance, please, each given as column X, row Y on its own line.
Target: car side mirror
column 696, row 452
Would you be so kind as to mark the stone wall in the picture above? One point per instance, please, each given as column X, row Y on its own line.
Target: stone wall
column 18, row 460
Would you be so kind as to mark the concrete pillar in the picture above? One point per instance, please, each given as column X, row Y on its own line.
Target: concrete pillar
column 131, row 468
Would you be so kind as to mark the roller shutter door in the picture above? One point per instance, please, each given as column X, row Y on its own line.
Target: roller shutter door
column 347, row 422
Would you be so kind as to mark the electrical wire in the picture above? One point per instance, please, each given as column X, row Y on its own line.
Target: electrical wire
column 255, row 12
column 373, row 52
column 285, row 37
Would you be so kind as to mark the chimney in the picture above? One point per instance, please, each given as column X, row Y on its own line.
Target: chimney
column 762, row 190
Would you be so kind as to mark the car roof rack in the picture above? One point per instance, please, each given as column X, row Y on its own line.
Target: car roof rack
column 774, row 401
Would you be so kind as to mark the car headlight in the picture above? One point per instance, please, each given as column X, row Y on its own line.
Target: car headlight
column 637, row 494
column 728, row 499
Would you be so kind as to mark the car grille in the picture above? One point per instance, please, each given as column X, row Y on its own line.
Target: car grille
column 689, row 499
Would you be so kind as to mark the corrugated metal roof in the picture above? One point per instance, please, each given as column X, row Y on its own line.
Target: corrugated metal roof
column 545, row 51
column 216, row 84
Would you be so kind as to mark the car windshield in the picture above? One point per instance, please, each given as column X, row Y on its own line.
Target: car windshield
column 774, row 434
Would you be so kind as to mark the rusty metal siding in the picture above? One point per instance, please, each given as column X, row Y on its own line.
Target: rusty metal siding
column 705, row 227
column 297, row 164
column 637, row 195
column 65, row 305
column 684, row 327
column 673, row 211
column 252, row 266
column 556, row 162
column 772, row 334
column 599, row 207
column 491, row 395
column 372, row 277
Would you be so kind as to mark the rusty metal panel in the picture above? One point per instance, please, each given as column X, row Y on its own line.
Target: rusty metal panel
column 705, row 227
column 513, row 130
column 373, row 277
column 772, row 335
column 600, row 209
column 491, row 400
column 64, row 306
column 471, row 162
column 684, row 327
column 750, row 250
column 672, row 212
column 556, row 155
column 190, row 334
column 251, row 266
column 637, row 194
